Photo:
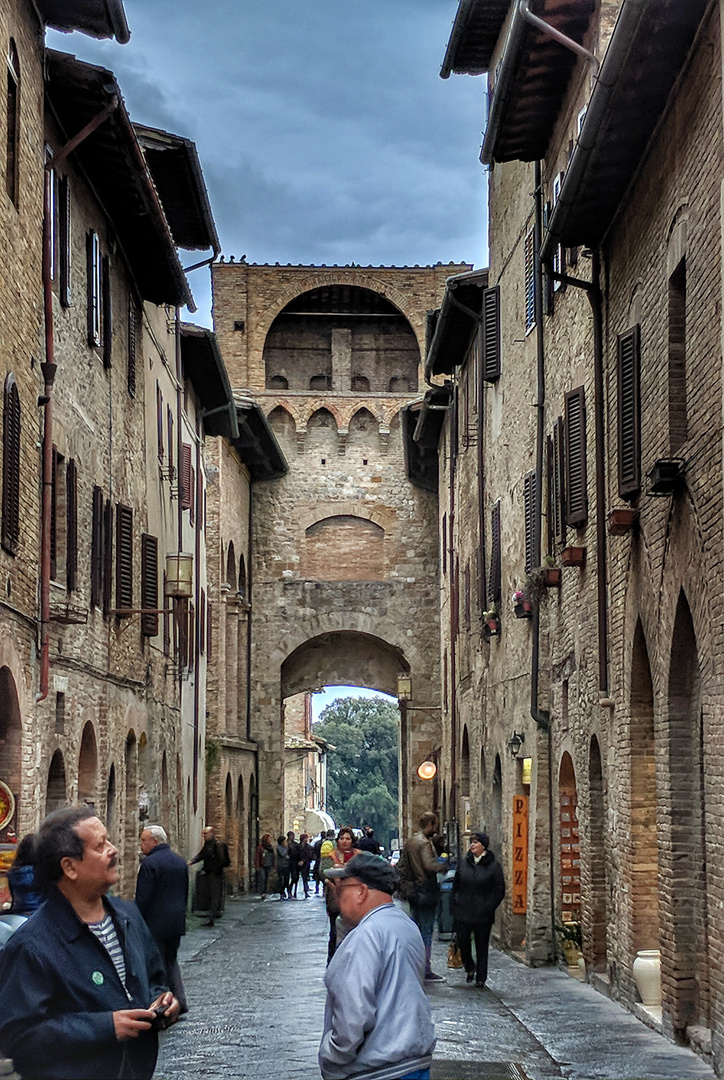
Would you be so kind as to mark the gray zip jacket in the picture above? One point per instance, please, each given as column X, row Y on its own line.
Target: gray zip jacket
column 377, row 1022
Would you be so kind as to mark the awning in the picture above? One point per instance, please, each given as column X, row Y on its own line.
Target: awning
column 318, row 821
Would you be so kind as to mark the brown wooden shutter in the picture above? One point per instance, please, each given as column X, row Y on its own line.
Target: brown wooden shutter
column 93, row 298
column 11, row 467
column 629, row 413
column 491, row 334
column 576, row 492
column 97, row 548
column 159, row 422
column 192, row 494
column 549, row 491
column 71, row 524
column 171, row 443
column 186, row 471
column 209, row 626
column 149, row 584
column 495, row 579
column 529, row 501
column 64, row 293
column 107, row 311
column 202, row 622
column 166, row 620
column 54, row 515
column 192, row 636
column 107, row 557
column 134, row 332
column 124, row 556
column 559, row 485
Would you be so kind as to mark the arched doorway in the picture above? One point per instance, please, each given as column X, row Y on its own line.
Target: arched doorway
column 465, row 817
column 129, row 856
column 644, row 871
column 570, row 857
column 88, row 767
column 240, row 837
column 496, row 809
column 10, row 742
column 55, row 791
column 684, row 949
column 111, row 804
column 251, row 830
column 594, row 913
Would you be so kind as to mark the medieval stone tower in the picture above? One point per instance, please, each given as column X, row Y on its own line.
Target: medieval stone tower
column 343, row 551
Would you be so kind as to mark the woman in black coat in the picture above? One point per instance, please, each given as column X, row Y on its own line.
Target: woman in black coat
column 477, row 890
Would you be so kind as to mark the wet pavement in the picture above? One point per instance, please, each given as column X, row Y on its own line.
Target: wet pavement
column 256, row 1005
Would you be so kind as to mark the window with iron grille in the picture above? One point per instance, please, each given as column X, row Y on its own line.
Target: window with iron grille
column 576, row 489
column 93, row 288
column 529, row 258
column 149, row 584
column 629, row 412
column 124, row 557
column 11, row 467
column 529, row 502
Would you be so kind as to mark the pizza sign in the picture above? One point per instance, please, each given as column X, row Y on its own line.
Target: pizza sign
column 7, row 805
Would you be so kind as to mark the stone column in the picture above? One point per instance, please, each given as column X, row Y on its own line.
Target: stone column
column 341, row 360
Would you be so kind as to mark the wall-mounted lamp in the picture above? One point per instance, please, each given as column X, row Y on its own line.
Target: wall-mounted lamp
column 515, row 743
column 404, row 687
column 427, row 770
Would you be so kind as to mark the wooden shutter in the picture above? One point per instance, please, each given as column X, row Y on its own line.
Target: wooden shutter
column 192, row 636
column 97, row 548
column 529, row 501
column 159, row 422
column 186, row 471
column 202, row 622
column 63, row 195
column 11, row 467
column 134, row 330
column 124, row 556
column 166, row 620
column 54, row 515
column 71, row 524
column 149, row 584
column 559, row 486
column 209, row 626
column 529, row 270
column 549, row 492
column 495, row 579
column 93, row 288
column 629, row 413
column 107, row 311
column 491, row 334
column 576, row 493
column 192, row 494
column 171, row 443
column 107, row 556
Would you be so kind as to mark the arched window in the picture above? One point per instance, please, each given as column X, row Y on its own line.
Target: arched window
column 11, row 467
column 278, row 382
column 320, row 382
column 13, row 124
column 360, row 383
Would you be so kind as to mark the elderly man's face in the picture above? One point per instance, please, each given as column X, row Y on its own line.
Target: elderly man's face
column 97, row 871
column 148, row 841
column 208, row 833
column 351, row 895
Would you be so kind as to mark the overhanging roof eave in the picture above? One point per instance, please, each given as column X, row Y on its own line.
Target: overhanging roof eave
column 101, row 19
column 452, row 321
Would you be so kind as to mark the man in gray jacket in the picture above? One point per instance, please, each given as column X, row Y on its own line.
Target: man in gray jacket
column 377, row 1022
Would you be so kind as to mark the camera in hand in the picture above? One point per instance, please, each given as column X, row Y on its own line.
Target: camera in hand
column 159, row 1021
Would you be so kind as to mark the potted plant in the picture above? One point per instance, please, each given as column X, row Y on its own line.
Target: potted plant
column 573, row 556
column 491, row 622
column 622, row 520
column 571, row 940
column 551, row 573
column 522, row 605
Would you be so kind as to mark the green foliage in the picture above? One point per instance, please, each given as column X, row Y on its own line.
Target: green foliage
column 362, row 772
column 212, row 755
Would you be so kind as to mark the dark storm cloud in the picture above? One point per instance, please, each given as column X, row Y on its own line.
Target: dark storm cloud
column 324, row 130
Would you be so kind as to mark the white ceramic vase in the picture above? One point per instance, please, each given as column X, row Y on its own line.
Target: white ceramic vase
column 647, row 974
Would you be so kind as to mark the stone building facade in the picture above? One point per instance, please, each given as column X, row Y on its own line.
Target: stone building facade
column 595, row 350
column 343, row 559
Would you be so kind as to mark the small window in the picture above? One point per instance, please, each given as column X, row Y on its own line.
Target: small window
column 159, row 422
column 106, row 311
column 71, row 525
column 97, row 548
column 491, row 334
column 58, row 517
column 360, row 384
column 12, row 115
column 558, row 254
column 558, row 497
column 678, row 422
column 529, row 257
column 278, row 382
column 11, row 467
column 64, row 241
column 629, row 413
column 93, row 287
column 320, row 382
column 171, row 443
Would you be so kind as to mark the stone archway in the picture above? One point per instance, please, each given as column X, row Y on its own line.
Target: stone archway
column 11, row 733
column 88, row 767
column 569, row 896
column 594, row 914
column 644, row 869
column 55, row 791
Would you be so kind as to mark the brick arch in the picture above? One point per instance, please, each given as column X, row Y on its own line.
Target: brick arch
column 320, row 405
column 343, row 658
column 317, row 280
column 382, row 516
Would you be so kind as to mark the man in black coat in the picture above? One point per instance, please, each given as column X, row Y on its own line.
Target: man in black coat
column 478, row 889
column 214, row 857
column 162, row 889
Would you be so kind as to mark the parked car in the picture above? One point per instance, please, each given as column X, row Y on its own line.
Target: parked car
column 395, row 857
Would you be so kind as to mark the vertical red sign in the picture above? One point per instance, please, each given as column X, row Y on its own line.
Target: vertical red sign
column 520, row 854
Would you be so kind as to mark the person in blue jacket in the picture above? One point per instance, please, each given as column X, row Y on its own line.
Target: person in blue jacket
column 82, row 978
column 162, row 889
column 21, row 879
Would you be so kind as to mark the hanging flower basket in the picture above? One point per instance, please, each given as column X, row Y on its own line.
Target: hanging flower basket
column 522, row 606
column 573, row 556
column 491, row 623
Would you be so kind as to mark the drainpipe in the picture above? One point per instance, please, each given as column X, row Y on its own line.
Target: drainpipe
column 49, row 368
column 199, row 500
column 454, row 618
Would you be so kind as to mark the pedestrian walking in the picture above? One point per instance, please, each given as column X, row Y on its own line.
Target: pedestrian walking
column 283, row 867
column 340, row 855
column 477, row 890
column 316, row 871
column 419, row 859
column 25, row 894
column 81, row 979
column 214, row 857
column 162, row 889
column 368, row 841
column 265, row 861
column 293, row 863
column 306, row 855
column 377, row 1021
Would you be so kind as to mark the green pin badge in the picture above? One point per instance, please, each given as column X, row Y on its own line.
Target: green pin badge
column 97, row 978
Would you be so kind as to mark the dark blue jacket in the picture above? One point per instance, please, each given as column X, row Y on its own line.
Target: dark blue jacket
column 26, row 898
column 162, row 889
column 60, row 988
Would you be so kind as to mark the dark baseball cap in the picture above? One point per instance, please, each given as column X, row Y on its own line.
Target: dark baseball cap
column 371, row 869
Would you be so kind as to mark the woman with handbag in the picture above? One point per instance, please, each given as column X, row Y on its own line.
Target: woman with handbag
column 478, row 889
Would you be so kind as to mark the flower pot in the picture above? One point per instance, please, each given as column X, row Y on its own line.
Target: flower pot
column 665, row 476
column 622, row 521
column 647, row 975
column 552, row 576
column 573, row 556
column 523, row 610
column 492, row 627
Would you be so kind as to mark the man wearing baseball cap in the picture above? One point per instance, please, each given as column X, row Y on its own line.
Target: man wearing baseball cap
column 377, row 1022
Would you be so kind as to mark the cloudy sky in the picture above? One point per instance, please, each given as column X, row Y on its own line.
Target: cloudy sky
column 325, row 132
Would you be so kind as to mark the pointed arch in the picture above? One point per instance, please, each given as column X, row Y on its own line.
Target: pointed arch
column 570, row 858
column 55, row 789
column 644, row 870
column 231, row 578
column 88, row 766
column 595, row 908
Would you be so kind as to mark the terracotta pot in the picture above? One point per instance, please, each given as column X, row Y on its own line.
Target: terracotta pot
column 573, row 556
column 552, row 576
column 622, row 521
column 523, row 610
column 647, row 975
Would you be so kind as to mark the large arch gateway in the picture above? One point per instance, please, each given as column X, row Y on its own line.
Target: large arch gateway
column 343, row 582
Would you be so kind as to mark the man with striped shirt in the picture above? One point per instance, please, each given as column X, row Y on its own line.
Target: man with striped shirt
column 83, row 976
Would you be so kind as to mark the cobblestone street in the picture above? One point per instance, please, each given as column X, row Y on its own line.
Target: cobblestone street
column 256, row 997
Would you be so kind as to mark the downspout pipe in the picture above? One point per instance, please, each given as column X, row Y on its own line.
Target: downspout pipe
column 45, row 401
